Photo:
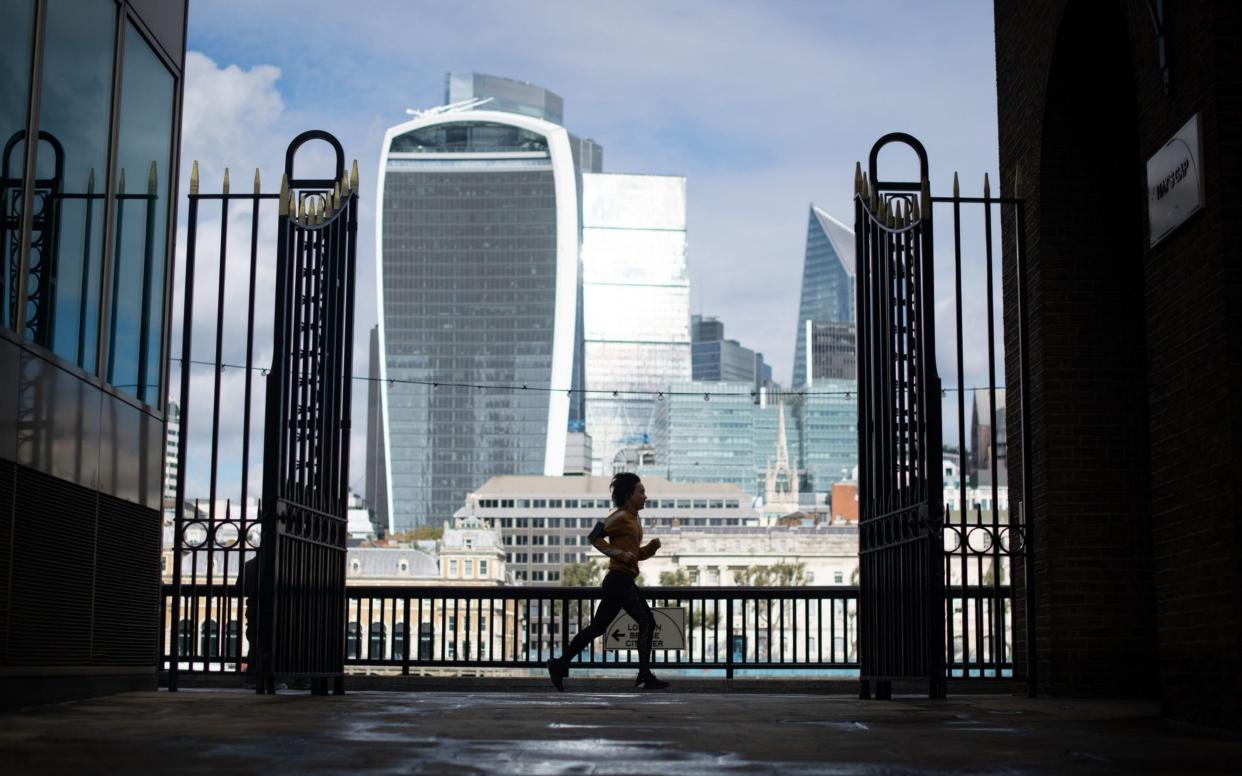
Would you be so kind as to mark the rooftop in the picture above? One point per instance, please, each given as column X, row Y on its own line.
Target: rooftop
column 602, row 730
column 597, row 487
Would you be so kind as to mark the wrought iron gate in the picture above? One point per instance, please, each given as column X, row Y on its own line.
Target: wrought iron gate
column 272, row 572
column 936, row 599
column 899, row 441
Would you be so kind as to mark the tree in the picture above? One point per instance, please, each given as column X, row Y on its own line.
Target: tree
column 585, row 574
column 775, row 575
column 678, row 578
column 423, row 532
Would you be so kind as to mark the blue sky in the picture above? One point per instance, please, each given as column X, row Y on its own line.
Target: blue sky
column 763, row 106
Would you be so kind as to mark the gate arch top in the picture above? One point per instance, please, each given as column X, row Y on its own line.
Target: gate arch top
column 313, row 183
column 905, row 139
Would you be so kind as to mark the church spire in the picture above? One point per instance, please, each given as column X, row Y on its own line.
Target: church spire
column 782, row 442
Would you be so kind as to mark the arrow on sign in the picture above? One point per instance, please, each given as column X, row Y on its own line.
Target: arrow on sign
column 617, row 634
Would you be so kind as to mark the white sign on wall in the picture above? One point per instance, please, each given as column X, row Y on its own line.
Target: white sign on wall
column 670, row 630
column 1175, row 181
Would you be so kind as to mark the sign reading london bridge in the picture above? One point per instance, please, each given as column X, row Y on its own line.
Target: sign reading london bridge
column 670, row 630
column 1174, row 181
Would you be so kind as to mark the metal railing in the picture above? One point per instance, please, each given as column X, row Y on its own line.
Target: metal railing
column 771, row 630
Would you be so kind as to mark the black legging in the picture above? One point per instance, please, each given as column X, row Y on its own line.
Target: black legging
column 620, row 592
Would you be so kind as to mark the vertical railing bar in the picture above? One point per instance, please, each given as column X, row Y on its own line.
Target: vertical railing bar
column 993, row 460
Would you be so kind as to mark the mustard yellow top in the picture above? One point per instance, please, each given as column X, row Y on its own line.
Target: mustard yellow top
column 625, row 532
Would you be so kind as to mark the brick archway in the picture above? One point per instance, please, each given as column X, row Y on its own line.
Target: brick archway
column 1094, row 616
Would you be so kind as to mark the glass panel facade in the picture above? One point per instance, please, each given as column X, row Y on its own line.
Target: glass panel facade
column 827, row 420
column 636, row 300
column 16, row 43
column 731, row 438
column 469, row 262
column 710, row 441
column 470, row 137
column 74, row 115
column 143, row 189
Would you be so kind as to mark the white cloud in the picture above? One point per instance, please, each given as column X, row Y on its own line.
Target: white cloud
column 235, row 118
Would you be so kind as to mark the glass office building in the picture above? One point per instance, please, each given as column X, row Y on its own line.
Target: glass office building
column 827, row 281
column 716, row 359
column 636, row 295
column 478, row 233
column 505, row 94
column 90, row 96
column 730, row 437
column 826, row 416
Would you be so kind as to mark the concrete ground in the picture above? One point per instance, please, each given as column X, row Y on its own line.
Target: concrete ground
column 595, row 732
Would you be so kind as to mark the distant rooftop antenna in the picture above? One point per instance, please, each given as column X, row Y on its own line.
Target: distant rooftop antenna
column 454, row 107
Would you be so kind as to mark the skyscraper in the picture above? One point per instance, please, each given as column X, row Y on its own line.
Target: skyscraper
column 636, row 296
column 527, row 99
column 827, row 281
column 478, row 232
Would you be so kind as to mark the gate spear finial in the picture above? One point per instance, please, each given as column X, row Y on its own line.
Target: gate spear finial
column 283, row 205
column 226, row 181
column 956, row 191
column 256, row 181
column 987, row 187
column 194, row 178
column 353, row 177
column 151, row 178
column 915, row 213
column 858, row 179
column 866, row 188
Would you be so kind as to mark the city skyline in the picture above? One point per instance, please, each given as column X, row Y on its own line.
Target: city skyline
column 247, row 95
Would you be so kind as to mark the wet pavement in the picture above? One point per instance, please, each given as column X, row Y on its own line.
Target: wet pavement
column 234, row 731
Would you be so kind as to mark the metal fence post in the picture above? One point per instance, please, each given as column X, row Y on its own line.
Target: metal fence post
column 405, row 653
column 729, row 638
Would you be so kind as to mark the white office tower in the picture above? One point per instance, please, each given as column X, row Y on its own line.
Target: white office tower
column 636, row 303
column 477, row 232
column 172, row 450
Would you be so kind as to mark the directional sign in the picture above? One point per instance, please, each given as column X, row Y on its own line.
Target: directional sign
column 670, row 630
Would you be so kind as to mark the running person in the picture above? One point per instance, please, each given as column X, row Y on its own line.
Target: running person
column 620, row 537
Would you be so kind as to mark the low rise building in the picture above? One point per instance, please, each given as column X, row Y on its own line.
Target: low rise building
column 544, row 521
column 726, row 557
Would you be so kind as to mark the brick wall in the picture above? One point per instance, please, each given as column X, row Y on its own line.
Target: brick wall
column 1136, row 461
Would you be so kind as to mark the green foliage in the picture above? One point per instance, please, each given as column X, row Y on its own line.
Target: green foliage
column 585, row 574
column 422, row 533
column 775, row 575
column 678, row 578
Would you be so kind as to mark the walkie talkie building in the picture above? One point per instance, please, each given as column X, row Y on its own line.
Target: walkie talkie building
column 477, row 233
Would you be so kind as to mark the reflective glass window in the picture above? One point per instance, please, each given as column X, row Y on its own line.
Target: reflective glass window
column 16, row 36
column 143, row 186
column 66, row 254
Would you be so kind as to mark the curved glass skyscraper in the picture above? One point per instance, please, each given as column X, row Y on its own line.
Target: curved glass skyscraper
column 827, row 281
column 477, row 235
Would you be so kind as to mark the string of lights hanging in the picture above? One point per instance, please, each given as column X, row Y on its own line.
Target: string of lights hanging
column 659, row 395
